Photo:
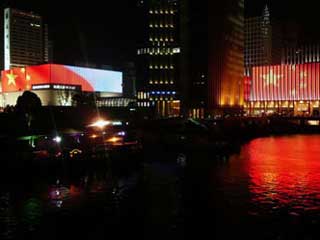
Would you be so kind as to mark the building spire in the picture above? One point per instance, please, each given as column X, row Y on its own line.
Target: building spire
column 266, row 14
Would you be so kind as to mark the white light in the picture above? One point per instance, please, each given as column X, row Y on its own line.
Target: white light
column 116, row 123
column 57, row 139
column 100, row 123
column 122, row 133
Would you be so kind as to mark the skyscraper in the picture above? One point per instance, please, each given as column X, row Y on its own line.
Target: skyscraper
column 194, row 58
column 263, row 41
column 225, row 59
column 158, row 57
column 24, row 39
column 258, row 40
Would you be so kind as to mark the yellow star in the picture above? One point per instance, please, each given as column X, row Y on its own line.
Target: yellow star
column 303, row 74
column 11, row 78
column 28, row 78
column 271, row 78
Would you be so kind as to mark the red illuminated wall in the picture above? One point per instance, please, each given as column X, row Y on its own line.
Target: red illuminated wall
column 285, row 82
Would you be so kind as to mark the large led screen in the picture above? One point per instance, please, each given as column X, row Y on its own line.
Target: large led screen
column 91, row 80
column 285, row 82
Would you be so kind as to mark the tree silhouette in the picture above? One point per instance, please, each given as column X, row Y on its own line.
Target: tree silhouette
column 27, row 106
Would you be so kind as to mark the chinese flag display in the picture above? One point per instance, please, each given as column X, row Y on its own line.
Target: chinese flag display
column 285, row 83
column 21, row 79
column 14, row 80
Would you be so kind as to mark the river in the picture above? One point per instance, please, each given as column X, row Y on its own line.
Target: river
column 270, row 189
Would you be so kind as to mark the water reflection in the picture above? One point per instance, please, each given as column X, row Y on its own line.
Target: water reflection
column 32, row 213
column 285, row 173
column 61, row 199
column 8, row 220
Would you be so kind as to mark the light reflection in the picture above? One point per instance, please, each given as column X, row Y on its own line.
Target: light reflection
column 8, row 220
column 284, row 171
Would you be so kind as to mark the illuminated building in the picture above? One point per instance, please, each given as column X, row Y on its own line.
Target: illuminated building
column 158, row 57
column 291, row 89
column 258, row 40
column 25, row 39
column 263, row 41
column 226, row 60
column 57, row 84
column 303, row 54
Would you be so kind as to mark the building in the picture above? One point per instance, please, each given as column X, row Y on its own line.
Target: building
column 158, row 57
column 307, row 53
column 25, row 39
column 57, row 84
column 263, row 41
column 290, row 89
column 225, row 59
column 258, row 40
column 1, row 40
column 194, row 58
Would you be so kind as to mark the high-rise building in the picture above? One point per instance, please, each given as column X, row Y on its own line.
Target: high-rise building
column 212, row 43
column 258, row 40
column 158, row 57
column 25, row 39
column 263, row 41
column 225, row 60
column 194, row 58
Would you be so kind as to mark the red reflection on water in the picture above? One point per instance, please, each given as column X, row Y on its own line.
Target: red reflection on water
column 285, row 171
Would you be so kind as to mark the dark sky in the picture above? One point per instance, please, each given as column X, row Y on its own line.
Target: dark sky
column 99, row 32
column 304, row 13
column 104, row 32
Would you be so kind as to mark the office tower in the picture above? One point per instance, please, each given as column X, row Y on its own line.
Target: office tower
column 194, row 58
column 158, row 57
column 25, row 39
column 263, row 41
column 258, row 40
column 225, row 59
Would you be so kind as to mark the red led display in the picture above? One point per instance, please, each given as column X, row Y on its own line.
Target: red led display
column 285, row 82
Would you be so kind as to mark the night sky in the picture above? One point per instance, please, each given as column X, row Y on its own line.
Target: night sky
column 303, row 13
column 88, row 31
